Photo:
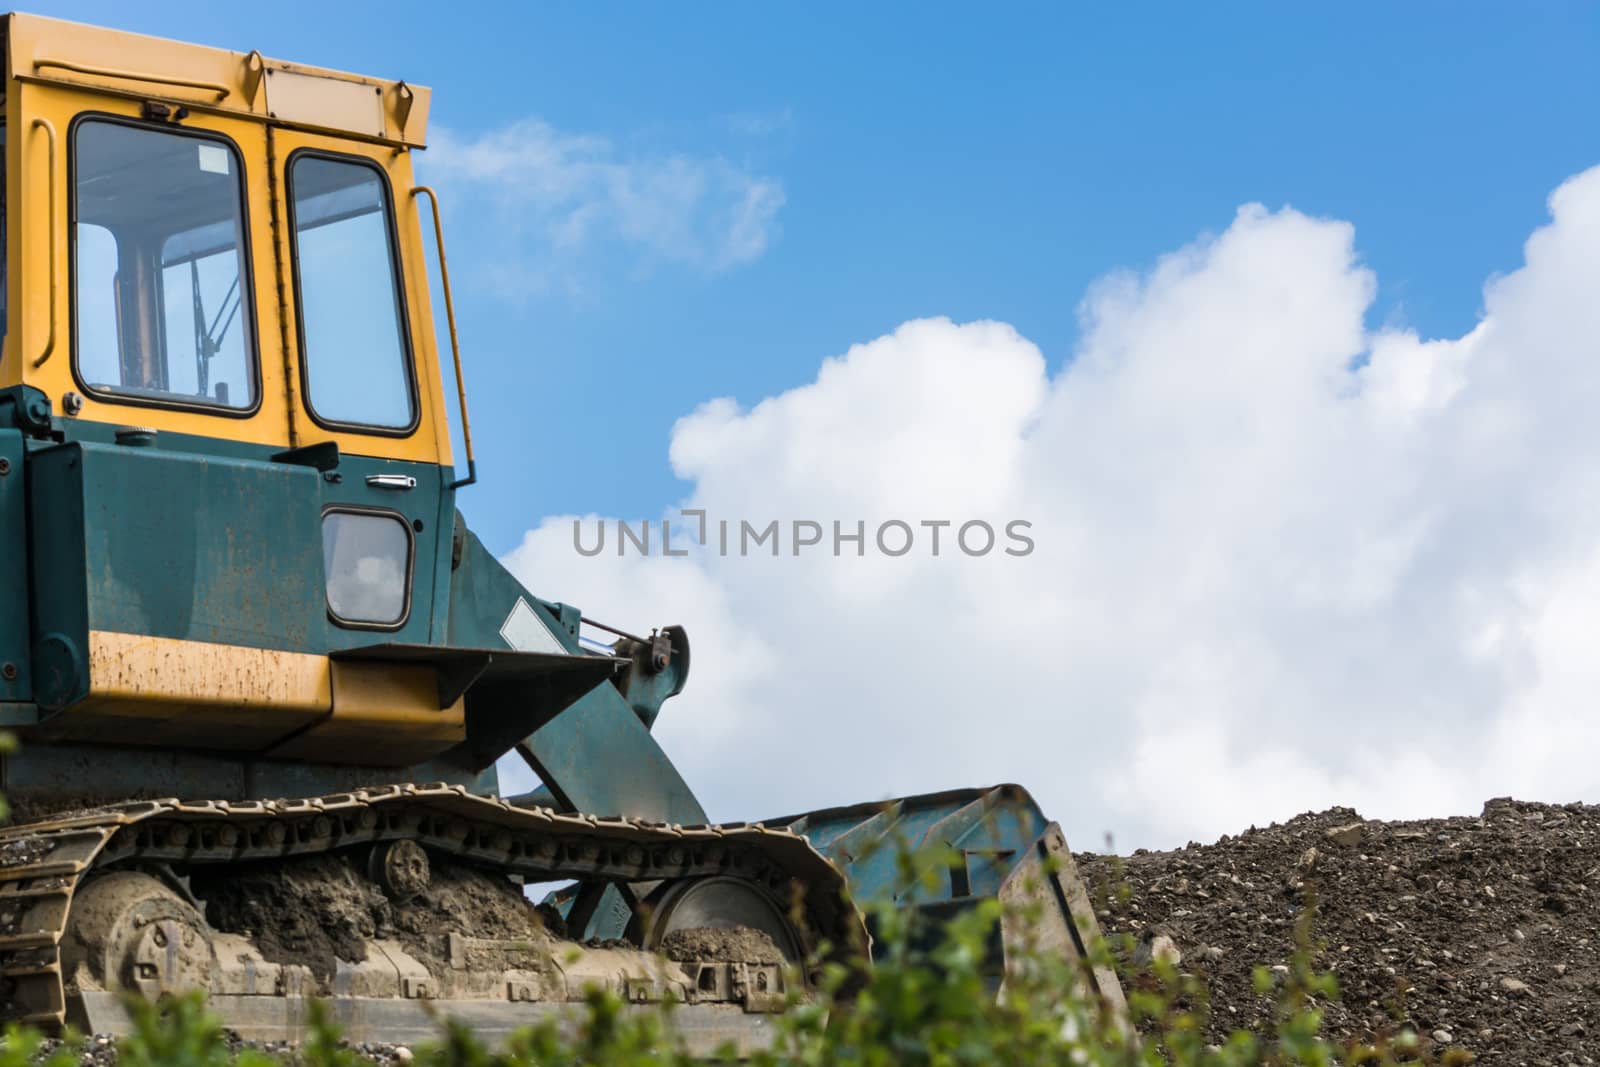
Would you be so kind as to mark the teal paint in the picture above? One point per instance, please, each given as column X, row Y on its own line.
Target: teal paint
column 171, row 545
column 83, row 771
column 19, row 714
column 16, row 670
column 202, row 539
column 595, row 757
column 59, row 601
column 989, row 831
column 482, row 594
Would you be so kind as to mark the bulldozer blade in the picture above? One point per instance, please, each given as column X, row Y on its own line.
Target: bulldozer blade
column 999, row 845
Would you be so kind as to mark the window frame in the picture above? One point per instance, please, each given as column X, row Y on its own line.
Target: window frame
column 247, row 280
column 411, row 566
column 397, row 275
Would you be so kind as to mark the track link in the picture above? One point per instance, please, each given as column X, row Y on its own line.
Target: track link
column 42, row 864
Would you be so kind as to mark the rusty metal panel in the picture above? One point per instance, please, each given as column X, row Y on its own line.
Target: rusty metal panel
column 1048, row 911
column 154, row 690
column 140, row 668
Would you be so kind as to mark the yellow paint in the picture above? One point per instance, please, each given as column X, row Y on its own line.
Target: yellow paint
column 37, row 249
column 286, row 705
column 396, row 702
column 430, row 441
column 240, row 84
column 163, row 691
column 139, row 668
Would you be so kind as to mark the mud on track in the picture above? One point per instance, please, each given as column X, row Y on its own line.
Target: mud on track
column 319, row 909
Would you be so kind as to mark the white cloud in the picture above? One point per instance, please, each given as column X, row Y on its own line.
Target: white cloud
column 550, row 201
column 1282, row 562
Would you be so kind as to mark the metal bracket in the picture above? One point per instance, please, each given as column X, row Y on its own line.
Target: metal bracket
column 323, row 455
column 404, row 98
column 254, row 68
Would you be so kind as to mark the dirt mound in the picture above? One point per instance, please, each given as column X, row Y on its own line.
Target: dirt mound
column 1473, row 932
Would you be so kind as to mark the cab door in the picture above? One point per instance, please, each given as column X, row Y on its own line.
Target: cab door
column 141, row 256
column 364, row 380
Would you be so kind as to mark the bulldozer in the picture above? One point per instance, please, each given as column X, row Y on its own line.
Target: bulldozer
column 261, row 672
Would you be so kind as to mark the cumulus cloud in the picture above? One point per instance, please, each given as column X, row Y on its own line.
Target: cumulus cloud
column 1282, row 561
column 576, row 197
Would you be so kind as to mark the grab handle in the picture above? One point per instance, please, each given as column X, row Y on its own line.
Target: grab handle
column 221, row 90
column 455, row 346
column 51, row 235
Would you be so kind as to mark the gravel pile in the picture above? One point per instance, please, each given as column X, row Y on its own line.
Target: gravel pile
column 1479, row 933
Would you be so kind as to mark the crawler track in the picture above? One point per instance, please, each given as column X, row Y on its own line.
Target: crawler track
column 44, row 863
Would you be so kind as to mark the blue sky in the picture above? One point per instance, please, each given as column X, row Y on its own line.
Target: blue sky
column 1321, row 488
column 937, row 161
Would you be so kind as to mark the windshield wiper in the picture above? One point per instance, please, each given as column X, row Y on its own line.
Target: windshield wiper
column 208, row 339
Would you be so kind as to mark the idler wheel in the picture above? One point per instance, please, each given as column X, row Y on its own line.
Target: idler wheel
column 718, row 904
column 132, row 931
column 400, row 868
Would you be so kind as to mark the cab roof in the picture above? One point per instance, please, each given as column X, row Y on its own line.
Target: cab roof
column 52, row 51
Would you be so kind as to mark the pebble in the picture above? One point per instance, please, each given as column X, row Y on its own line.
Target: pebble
column 1444, row 1037
column 1160, row 947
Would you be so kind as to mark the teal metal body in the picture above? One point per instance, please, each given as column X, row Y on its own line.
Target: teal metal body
column 206, row 540
column 202, row 539
column 988, row 834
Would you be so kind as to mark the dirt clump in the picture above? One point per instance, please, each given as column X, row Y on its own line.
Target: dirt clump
column 317, row 910
column 1479, row 932
column 313, row 910
column 23, row 851
column 737, row 944
column 466, row 901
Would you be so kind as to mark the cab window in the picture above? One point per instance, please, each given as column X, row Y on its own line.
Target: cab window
column 352, row 321
column 160, row 271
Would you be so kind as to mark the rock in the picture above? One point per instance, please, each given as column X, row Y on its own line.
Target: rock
column 1348, row 836
column 1443, row 1037
column 1514, row 987
column 1159, row 947
column 402, row 1054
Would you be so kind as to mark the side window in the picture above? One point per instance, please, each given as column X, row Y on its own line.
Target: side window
column 366, row 559
column 352, row 322
column 160, row 275
column 99, row 358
